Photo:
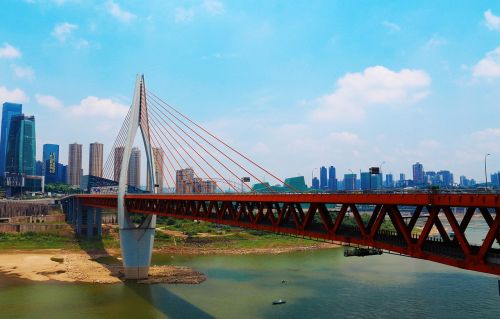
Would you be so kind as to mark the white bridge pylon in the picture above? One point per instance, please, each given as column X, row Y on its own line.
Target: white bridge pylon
column 136, row 242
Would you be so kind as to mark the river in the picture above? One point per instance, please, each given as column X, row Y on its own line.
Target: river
column 319, row 284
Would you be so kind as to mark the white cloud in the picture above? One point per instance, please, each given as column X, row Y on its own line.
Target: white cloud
column 183, row 14
column 489, row 66
column 213, row 7
column 23, row 72
column 435, row 42
column 374, row 86
column 48, row 101
column 492, row 21
column 391, row 26
column 15, row 96
column 7, row 51
column 92, row 106
column 116, row 11
column 430, row 144
column 63, row 30
column 345, row 137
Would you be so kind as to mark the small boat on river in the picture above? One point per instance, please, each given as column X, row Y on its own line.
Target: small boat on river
column 279, row 302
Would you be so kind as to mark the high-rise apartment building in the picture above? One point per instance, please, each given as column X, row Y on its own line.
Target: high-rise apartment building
column 494, row 180
column 315, row 183
column 445, row 178
column 50, row 161
column 39, row 168
column 21, row 146
column 62, row 175
column 389, row 181
column 350, row 182
column 418, row 174
column 184, row 181
column 134, row 168
column 8, row 111
column 365, row 181
column 332, row 179
column 96, row 159
column 158, row 162
column 323, row 180
column 74, row 164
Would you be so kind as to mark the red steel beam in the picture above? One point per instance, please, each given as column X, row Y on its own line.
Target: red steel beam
column 410, row 199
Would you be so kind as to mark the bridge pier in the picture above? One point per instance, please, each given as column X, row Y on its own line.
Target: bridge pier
column 79, row 219
column 137, row 247
column 90, row 221
column 98, row 220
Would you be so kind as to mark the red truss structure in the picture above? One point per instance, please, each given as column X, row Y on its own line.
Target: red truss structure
column 354, row 219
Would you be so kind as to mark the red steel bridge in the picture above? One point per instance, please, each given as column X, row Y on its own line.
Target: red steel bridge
column 324, row 216
column 192, row 174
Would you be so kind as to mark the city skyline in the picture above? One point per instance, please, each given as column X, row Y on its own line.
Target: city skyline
column 440, row 112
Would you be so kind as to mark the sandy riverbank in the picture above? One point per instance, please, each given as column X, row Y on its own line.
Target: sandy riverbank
column 105, row 268
column 57, row 265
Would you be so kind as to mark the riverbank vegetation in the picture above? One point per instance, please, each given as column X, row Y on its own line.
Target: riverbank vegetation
column 172, row 235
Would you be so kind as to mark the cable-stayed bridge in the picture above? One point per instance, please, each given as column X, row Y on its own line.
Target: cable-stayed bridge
column 193, row 174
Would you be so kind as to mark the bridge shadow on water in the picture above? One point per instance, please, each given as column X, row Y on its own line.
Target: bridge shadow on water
column 157, row 295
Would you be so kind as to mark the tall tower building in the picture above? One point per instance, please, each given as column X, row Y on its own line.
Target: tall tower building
column 74, row 163
column 158, row 162
column 418, row 174
column 184, row 181
column 50, row 163
column 21, row 146
column 95, row 159
column 332, row 179
column 350, row 182
column 134, row 168
column 8, row 111
column 323, row 180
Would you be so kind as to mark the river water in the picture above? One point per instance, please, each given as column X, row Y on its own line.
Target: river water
column 319, row 284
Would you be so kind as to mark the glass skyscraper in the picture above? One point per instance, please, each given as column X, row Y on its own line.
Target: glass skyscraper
column 21, row 146
column 9, row 110
column 323, row 180
column 50, row 162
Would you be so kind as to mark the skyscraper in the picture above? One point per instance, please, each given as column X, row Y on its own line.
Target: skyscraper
column 158, row 162
column 389, row 181
column 315, row 183
column 9, row 110
column 350, row 182
column 323, row 180
column 50, row 161
column 332, row 179
column 184, row 181
column 134, row 168
column 365, row 181
column 418, row 174
column 445, row 178
column 21, row 146
column 74, row 163
column 62, row 175
column 95, row 159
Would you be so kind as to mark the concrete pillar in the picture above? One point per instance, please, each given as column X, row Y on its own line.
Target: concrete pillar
column 98, row 221
column 90, row 221
column 74, row 211
column 79, row 219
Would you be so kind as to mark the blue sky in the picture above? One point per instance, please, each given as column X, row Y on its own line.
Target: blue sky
column 295, row 84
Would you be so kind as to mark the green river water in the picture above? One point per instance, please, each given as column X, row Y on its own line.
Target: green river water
column 319, row 284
